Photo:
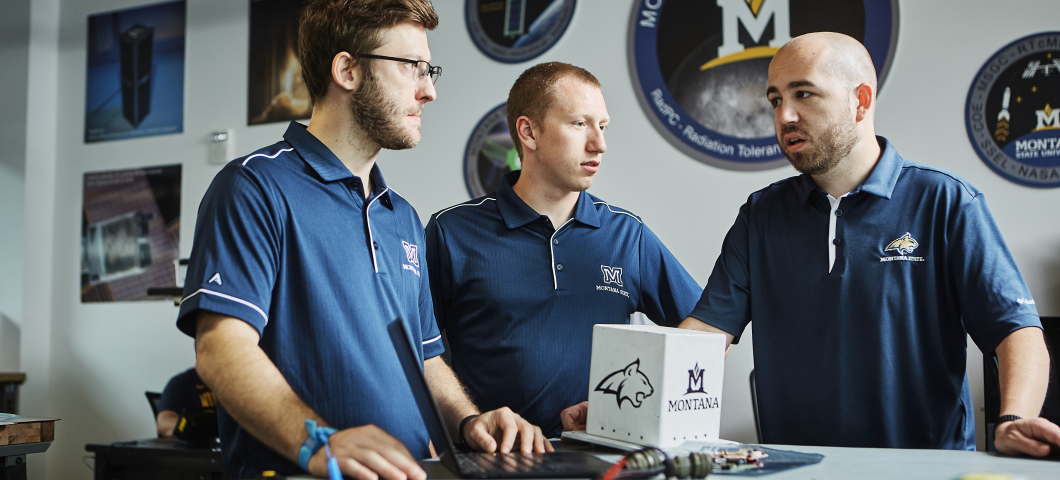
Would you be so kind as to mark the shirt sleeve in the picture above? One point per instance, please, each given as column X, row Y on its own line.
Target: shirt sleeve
column 994, row 298
column 726, row 300
column 233, row 263
column 432, row 337
column 438, row 268
column 667, row 291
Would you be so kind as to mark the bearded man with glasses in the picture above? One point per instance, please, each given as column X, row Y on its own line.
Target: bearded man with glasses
column 303, row 255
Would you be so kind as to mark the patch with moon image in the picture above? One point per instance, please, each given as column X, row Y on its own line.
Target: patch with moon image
column 490, row 153
column 1013, row 111
column 513, row 31
column 700, row 68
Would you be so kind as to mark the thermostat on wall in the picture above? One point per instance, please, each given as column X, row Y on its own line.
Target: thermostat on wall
column 222, row 147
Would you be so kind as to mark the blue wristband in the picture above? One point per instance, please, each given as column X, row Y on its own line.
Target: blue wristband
column 318, row 436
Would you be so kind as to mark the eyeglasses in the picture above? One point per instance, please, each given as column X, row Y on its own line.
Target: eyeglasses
column 420, row 72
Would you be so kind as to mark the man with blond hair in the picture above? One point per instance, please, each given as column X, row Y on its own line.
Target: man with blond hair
column 863, row 277
column 520, row 276
column 303, row 256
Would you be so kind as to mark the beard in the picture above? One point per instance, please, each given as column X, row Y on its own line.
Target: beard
column 380, row 118
column 835, row 144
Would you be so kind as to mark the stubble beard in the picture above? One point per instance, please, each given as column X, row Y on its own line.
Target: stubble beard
column 380, row 118
column 831, row 147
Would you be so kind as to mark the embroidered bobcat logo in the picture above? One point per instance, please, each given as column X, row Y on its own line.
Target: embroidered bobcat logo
column 904, row 245
column 627, row 384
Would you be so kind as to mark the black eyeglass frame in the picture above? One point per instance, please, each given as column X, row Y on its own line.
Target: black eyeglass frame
column 434, row 72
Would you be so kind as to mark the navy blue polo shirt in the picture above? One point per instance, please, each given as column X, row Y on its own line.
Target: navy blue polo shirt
column 872, row 353
column 286, row 241
column 518, row 296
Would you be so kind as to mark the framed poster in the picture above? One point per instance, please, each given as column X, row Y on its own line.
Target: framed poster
column 134, row 85
column 275, row 89
column 130, row 233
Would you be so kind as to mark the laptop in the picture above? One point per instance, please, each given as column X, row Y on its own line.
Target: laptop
column 480, row 464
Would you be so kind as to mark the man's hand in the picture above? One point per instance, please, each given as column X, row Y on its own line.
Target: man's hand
column 367, row 453
column 575, row 418
column 1030, row 436
column 504, row 426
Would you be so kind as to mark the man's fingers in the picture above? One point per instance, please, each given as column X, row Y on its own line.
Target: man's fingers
column 527, row 437
column 352, row 468
column 574, row 417
column 541, row 444
column 1030, row 437
column 402, row 460
column 1046, row 431
column 510, row 430
column 479, row 434
column 379, row 464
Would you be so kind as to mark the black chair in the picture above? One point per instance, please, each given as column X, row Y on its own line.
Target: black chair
column 992, row 388
column 153, row 398
column 754, row 406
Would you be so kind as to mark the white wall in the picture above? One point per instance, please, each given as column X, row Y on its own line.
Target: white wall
column 14, row 56
column 91, row 362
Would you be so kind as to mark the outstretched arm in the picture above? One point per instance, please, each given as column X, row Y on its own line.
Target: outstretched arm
column 257, row 396
column 489, row 432
column 1023, row 373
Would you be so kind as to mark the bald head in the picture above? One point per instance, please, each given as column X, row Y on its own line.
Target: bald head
column 840, row 55
column 823, row 90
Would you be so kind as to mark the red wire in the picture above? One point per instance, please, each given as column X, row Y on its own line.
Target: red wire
column 611, row 472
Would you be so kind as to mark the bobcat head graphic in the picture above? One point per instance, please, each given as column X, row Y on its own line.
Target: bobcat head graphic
column 627, row 384
column 904, row 245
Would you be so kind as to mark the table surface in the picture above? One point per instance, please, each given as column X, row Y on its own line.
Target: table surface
column 865, row 464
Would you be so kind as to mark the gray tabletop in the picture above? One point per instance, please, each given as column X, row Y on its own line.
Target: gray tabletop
column 888, row 463
column 872, row 463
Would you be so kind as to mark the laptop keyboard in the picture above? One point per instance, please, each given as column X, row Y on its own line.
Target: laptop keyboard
column 479, row 463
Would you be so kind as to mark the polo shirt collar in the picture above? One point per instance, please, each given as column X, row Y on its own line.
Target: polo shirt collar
column 517, row 213
column 323, row 161
column 881, row 181
column 883, row 178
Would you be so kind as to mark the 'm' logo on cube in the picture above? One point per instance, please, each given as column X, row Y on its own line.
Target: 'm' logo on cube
column 695, row 380
column 627, row 384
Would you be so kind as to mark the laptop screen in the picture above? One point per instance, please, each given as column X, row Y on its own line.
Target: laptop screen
column 413, row 368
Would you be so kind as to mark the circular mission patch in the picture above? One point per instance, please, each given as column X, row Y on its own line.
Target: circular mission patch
column 489, row 154
column 513, row 31
column 700, row 67
column 1013, row 111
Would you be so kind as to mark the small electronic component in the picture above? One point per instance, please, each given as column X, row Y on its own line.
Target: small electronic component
column 653, row 461
column 739, row 460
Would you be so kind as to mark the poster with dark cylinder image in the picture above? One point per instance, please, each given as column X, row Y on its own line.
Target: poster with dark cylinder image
column 134, row 80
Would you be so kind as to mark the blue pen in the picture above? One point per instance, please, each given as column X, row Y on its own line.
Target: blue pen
column 333, row 465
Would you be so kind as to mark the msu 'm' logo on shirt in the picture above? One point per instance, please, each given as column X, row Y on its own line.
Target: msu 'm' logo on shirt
column 612, row 274
column 411, row 253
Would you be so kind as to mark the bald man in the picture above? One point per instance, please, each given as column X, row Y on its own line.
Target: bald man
column 863, row 277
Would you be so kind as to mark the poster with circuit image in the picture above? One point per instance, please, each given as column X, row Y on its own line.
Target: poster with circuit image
column 275, row 89
column 135, row 72
column 130, row 233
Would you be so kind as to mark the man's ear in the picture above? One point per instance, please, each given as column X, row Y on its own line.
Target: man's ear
column 345, row 72
column 524, row 127
column 863, row 94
